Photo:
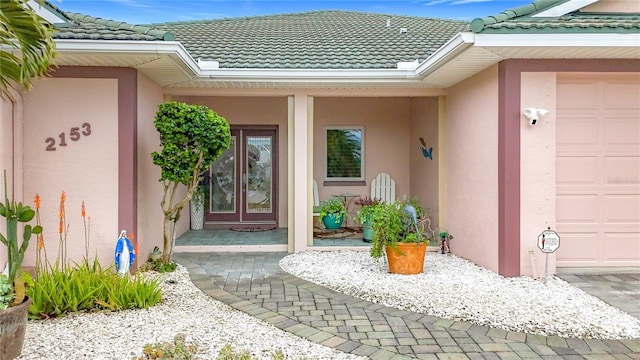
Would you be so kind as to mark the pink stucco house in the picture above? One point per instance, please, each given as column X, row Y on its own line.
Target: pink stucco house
column 285, row 82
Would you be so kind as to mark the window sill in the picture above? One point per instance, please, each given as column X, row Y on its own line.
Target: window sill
column 344, row 183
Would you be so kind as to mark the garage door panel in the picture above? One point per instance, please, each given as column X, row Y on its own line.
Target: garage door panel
column 622, row 209
column 582, row 209
column 621, row 246
column 588, row 98
column 622, row 170
column 621, row 96
column 578, row 131
column 578, row 246
column 622, row 131
column 572, row 170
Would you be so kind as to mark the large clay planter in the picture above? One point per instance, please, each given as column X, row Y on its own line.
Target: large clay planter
column 409, row 261
column 13, row 324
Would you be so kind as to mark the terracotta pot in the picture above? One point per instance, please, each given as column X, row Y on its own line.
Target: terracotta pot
column 409, row 261
column 13, row 324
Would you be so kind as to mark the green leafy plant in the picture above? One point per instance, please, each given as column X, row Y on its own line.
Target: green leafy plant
column 6, row 295
column 179, row 349
column 367, row 208
column 14, row 213
column 333, row 205
column 191, row 138
column 59, row 290
column 158, row 265
column 400, row 221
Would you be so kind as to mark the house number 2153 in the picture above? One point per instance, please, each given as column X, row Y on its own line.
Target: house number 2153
column 74, row 135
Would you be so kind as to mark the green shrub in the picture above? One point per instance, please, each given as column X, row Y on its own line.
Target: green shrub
column 178, row 350
column 60, row 290
column 181, row 350
column 158, row 265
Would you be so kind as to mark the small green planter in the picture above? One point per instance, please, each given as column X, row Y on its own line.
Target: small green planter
column 367, row 229
column 333, row 221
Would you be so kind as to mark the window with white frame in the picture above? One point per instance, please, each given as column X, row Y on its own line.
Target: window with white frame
column 344, row 153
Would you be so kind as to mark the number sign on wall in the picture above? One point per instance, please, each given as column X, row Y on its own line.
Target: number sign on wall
column 74, row 135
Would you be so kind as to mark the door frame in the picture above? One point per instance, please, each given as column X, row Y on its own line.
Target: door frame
column 224, row 223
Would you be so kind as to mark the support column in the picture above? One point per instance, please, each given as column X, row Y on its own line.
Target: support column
column 442, row 171
column 300, row 170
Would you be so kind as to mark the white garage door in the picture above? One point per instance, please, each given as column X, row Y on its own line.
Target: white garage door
column 598, row 170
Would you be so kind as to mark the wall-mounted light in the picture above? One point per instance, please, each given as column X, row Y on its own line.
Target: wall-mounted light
column 533, row 114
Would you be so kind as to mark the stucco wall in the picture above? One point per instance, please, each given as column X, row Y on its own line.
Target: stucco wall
column 386, row 124
column 472, row 168
column 613, row 6
column 86, row 169
column 246, row 110
column 424, row 171
column 149, row 187
column 537, row 170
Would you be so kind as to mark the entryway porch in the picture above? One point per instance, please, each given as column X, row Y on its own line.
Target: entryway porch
column 206, row 240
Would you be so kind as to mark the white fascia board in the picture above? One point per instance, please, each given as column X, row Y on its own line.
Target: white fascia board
column 322, row 75
column 45, row 13
column 446, row 52
column 129, row 47
column 552, row 40
column 565, row 8
column 176, row 48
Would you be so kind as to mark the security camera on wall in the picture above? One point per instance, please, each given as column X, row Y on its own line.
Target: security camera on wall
column 533, row 115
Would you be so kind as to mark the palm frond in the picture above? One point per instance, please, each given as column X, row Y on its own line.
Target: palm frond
column 27, row 48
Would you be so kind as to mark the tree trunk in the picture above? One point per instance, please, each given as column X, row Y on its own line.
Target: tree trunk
column 167, row 240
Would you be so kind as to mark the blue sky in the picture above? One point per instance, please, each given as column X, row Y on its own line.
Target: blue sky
column 148, row 11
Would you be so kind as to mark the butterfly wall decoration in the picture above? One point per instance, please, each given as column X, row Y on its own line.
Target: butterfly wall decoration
column 427, row 152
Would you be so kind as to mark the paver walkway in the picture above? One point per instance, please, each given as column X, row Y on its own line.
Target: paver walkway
column 255, row 284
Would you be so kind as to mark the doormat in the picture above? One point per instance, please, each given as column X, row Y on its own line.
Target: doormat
column 253, row 228
column 335, row 234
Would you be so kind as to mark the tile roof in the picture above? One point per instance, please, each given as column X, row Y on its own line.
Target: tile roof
column 519, row 20
column 314, row 40
column 84, row 27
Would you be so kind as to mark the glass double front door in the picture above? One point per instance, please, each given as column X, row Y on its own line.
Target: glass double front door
column 242, row 180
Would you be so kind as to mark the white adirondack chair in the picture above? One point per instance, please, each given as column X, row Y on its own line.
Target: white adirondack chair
column 383, row 187
column 316, row 199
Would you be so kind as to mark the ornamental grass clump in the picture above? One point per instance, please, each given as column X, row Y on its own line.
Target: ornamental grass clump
column 62, row 288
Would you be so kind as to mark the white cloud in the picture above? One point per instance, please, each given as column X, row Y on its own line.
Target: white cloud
column 133, row 3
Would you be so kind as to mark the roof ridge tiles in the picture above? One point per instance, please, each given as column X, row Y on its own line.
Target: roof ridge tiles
column 121, row 25
column 478, row 24
column 298, row 14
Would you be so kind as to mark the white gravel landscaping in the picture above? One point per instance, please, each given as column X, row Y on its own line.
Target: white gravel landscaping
column 185, row 309
column 453, row 288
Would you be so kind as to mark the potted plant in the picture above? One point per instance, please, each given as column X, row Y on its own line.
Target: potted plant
column 398, row 233
column 364, row 216
column 332, row 213
column 14, row 304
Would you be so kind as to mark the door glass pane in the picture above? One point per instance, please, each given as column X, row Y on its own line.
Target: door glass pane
column 223, row 181
column 258, row 170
